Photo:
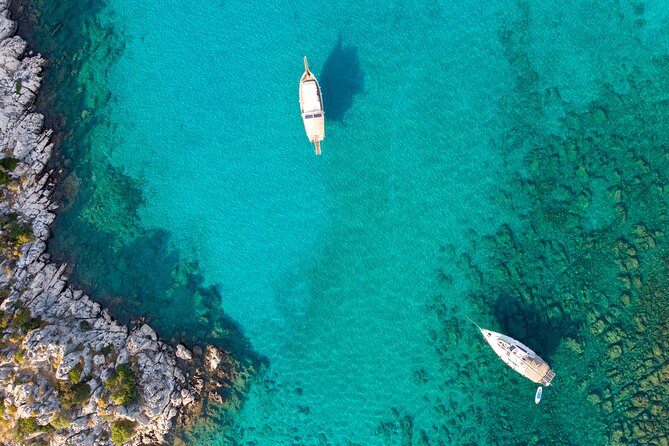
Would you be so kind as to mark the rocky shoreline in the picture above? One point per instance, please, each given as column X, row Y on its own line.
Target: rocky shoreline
column 69, row 373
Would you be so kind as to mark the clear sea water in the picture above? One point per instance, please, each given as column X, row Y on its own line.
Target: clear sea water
column 189, row 189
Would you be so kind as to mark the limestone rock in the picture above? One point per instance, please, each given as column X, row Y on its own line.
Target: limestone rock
column 183, row 353
column 69, row 346
column 212, row 357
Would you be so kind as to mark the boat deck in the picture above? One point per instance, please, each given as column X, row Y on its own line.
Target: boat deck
column 311, row 106
column 537, row 370
column 546, row 380
column 314, row 124
column 311, row 97
column 519, row 357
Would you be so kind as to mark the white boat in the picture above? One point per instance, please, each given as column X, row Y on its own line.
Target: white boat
column 519, row 357
column 311, row 106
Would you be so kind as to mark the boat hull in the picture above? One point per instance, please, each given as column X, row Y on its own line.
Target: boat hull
column 519, row 357
column 311, row 107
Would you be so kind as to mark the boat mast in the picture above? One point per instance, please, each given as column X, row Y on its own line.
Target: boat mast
column 477, row 325
column 317, row 143
column 306, row 65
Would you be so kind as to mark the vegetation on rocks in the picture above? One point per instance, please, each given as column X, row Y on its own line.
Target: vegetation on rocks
column 75, row 373
column 46, row 324
column 13, row 233
column 5, row 319
column 61, row 420
column 18, row 356
column 8, row 163
column 18, row 323
column 24, row 321
column 27, row 427
column 85, row 325
column 73, row 395
column 122, row 430
column 123, row 385
column 107, row 350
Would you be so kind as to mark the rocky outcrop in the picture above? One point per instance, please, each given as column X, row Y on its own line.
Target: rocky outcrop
column 69, row 373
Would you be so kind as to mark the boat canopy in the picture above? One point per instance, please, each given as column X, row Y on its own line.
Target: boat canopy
column 310, row 97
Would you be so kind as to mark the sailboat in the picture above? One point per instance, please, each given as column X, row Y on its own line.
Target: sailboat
column 311, row 106
column 518, row 356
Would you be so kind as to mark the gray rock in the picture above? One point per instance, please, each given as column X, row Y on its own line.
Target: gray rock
column 73, row 328
column 184, row 353
column 212, row 357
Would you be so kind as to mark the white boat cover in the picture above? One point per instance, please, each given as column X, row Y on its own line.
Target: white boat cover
column 311, row 101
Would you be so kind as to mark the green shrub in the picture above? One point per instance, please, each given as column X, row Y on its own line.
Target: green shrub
column 27, row 425
column 85, row 325
column 123, row 385
column 5, row 319
column 21, row 317
column 24, row 320
column 75, row 373
column 61, row 420
column 4, row 177
column 80, row 392
column 18, row 85
column 121, row 431
column 9, row 163
column 107, row 350
column 72, row 396
column 18, row 357
column 19, row 233
column 12, row 229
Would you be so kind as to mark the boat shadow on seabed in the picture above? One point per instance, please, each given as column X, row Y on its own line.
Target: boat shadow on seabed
column 341, row 78
column 530, row 324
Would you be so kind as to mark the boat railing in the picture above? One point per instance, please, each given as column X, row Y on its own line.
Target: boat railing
column 548, row 377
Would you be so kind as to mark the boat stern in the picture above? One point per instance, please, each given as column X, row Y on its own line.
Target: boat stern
column 548, row 378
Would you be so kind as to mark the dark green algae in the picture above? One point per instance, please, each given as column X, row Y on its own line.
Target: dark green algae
column 581, row 274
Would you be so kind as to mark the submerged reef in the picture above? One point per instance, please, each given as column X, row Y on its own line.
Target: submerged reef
column 581, row 271
column 69, row 373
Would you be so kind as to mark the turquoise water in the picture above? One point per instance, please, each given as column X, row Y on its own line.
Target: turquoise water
column 494, row 159
column 316, row 258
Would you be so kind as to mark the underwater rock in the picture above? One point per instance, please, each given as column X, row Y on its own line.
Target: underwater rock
column 573, row 345
column 640, row 400
column 614, row 352
column 212, row 357
column 183, row 353
column 594, row 398
column 614, row 335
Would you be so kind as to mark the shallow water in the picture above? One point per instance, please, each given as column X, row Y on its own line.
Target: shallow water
column 493, row 159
